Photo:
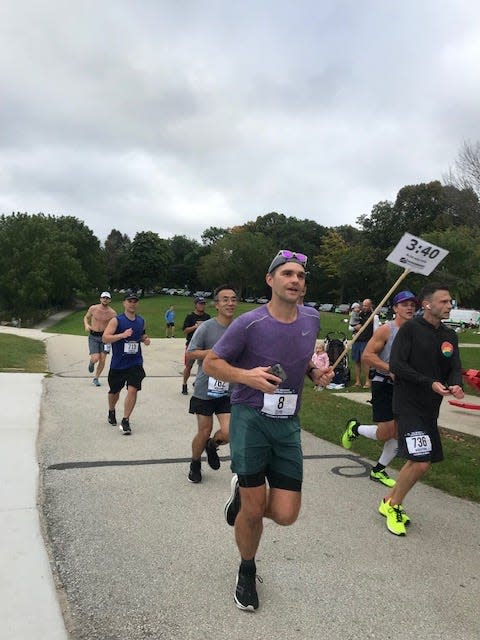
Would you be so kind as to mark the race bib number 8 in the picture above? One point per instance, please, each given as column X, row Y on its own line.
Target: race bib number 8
column 130, row 348
column 419, row 445
column 281, row 404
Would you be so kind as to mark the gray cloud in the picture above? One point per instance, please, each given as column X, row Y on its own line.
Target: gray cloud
column 174, row 117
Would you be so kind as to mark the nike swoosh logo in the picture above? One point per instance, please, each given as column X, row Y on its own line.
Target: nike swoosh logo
column 305, row 333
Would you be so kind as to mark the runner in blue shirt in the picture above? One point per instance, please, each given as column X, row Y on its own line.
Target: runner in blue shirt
column 125, row 333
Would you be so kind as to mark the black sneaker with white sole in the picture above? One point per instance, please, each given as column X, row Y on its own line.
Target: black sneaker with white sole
column 246, row 597
column 125, row 427
column 232, row 505
column 195, row 473
column 112, row 418
column 212, row 455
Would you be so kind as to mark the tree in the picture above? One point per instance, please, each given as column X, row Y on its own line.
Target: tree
column 148, row 259
column 40, row 266
column 86, row 248
column 213, row 234
column 240, row 258
column 291, row 233
column 466, row 172
column 186, row 254
column 459, row 270
column 116, row 251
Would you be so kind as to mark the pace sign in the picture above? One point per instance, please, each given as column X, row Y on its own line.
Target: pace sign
column 417, row 255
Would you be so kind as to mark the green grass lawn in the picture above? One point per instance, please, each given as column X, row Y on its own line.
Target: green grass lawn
column 22, row 354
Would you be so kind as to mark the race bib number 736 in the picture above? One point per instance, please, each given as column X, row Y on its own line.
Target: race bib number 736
column 419, row 444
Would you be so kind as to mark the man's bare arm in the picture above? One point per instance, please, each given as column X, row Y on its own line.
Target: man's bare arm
column 374, row 347
column 86, row 319
column 109, row 334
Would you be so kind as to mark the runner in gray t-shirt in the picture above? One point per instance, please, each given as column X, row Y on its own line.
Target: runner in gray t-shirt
column 210, row 396
column 264, row 428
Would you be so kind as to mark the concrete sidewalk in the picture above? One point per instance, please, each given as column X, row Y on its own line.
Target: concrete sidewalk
column 138, row 552
column 29, row 606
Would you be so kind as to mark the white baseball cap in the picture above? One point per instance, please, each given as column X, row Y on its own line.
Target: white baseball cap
column 105, row 294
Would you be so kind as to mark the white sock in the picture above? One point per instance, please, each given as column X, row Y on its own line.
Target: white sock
column 368, row 430
column 389, row 452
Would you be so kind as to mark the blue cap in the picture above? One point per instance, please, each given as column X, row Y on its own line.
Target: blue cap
column 403, row 296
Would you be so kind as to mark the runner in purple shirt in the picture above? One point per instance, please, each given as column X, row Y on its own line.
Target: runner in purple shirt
column 264, row 427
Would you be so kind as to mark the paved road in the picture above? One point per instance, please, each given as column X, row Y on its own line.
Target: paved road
column 138, row 552
column 142, row 553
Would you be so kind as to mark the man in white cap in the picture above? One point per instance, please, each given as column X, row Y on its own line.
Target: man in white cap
column 95, row 322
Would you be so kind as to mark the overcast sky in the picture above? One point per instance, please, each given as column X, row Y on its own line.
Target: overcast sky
column 176, row 116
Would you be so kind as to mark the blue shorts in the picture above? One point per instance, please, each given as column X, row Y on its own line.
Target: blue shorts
column 357, row 349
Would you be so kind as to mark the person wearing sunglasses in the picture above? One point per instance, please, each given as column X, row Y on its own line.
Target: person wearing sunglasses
column 266, row 354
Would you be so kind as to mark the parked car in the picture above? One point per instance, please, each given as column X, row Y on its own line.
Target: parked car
column 311, row 304
column 251, row 300
column 262, row 300
column 342, row 308
column 326, row 306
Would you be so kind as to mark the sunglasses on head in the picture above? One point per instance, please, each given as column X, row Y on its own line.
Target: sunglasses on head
column 288, row 255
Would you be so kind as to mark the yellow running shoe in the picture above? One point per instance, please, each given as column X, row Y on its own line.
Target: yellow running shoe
column 383, row 477
column 383, row 509
column 394, row 517
column 349, row 435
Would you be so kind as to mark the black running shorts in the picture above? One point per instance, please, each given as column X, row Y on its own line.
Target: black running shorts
column 132, row 377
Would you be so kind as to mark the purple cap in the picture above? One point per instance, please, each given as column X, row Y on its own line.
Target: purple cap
column 403, row 296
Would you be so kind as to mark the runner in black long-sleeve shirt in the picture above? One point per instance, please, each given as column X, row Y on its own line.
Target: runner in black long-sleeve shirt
column 426, row 363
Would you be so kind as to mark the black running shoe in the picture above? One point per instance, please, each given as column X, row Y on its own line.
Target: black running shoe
column 212, row 455
column 195, row 473
column 125, row 427
column 184, row 390
column 91, row 367
column 246, row 597
column 112, row 419
column 232, row 506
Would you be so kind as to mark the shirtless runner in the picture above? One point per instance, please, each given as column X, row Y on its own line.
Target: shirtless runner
column 95, row 322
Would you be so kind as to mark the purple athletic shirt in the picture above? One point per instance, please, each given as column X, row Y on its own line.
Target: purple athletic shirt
column 256, row 339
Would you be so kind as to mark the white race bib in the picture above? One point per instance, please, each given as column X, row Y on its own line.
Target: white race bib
column 130, row 348
column 419, row 445
column 217, row 388
column 281, row 404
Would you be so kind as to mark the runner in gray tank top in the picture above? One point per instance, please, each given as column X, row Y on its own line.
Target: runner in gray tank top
column 377, row 356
